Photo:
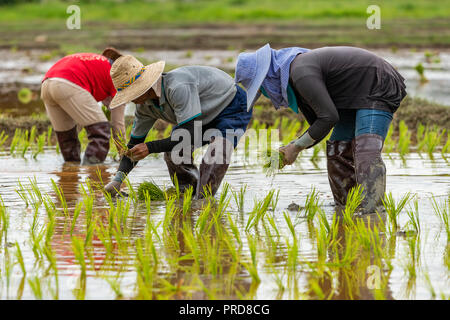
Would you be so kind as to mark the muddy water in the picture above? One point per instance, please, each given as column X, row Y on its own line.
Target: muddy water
column 26, row 69
column 417, row 174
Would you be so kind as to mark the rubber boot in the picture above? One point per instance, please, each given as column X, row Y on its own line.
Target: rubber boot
column 214, row 166
column 69, row 144
column 98, row 146
column 370, row 170
column 341, row 170
column 187, row 174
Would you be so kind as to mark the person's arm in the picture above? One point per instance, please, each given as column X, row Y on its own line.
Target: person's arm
column 315, row 92
column 118, row 121
column 143, row 122
column 141, row 150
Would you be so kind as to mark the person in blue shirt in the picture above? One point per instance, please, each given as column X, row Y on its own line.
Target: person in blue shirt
column 347, row 89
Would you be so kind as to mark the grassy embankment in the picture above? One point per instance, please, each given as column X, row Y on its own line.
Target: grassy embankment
column 419, row 23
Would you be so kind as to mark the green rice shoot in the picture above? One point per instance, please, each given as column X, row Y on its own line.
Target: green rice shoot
column 152, row 189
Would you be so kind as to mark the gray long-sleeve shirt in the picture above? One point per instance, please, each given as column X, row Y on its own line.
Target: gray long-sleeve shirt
column 331, row 78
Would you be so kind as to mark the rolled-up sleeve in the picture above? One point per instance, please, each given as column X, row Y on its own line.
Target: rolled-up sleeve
column 185, row 101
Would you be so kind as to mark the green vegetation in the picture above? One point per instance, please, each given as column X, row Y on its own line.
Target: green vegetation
column 151, row 190
column 176, row 250
column 222, row 10
column 345, row 22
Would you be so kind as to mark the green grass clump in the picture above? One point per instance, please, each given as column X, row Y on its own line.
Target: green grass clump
column 152, row 189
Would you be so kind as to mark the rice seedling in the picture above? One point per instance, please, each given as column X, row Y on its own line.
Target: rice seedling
column 389, row 143
column 414, row 255
column 187, row 200
column 252, row 266
column 312, row 205
column 354, row 199
column 201, row 223
column 120, row 143
column 420, row 134
column 421, row 71
column 234, row 229
column 131, row 192
column 404, row 139
column 82, row 136
column 413, row 214
column 315, row 155
column 49, row 135
column 432, row 139
column 39, row 145
column 152, row 189
column 393, row 209
column 239, row 197
column 4, row 221
column 60, row 193
column 35, row 285
column 3, row 138
column 442, row 210
column 259, row 211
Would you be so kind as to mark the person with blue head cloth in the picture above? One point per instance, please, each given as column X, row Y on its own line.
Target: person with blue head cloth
column 347, row 89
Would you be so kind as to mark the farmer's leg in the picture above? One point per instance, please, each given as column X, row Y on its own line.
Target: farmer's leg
column 229, row 127
column 185, row 170
column 82, row 107
column 371, row 130
column 340, row 164
column 64, row 126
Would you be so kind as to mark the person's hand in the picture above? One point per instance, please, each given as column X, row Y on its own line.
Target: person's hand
column 113, row 188
column 138, row 152
column 290, row 153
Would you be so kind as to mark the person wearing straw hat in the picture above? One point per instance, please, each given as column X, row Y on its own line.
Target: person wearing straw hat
column 71, row 90
column 203, row 103
column 347, row 89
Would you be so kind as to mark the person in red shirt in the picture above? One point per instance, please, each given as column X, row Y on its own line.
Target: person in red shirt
column 71, row 90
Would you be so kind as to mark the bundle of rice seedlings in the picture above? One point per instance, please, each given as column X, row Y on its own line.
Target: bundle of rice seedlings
column 152, row 189
column 275, row 162
column 120, row 143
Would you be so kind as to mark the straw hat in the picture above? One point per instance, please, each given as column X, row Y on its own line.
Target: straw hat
column 132, row 79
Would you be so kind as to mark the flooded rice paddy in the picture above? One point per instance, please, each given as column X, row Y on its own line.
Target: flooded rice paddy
column 262, row 237
column 246, row 244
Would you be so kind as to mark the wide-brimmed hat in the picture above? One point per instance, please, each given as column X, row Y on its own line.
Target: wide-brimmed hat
column 251, row 69
column 132, row 79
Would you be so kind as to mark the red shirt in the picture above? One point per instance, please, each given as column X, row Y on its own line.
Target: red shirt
column 87, row 70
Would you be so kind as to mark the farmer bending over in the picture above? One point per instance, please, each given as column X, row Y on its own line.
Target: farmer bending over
column 347, row 89
column 203, row 103
column 71, row 90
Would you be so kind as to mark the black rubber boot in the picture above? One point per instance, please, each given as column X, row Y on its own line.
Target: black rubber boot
column 370, row 170
column 341, row 170
column 98, row 146
column 187, row 174
column 214, row 166
column 69, row 144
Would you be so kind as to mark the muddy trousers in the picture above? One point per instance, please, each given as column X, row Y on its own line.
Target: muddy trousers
column 357, row 162
column 213, row 168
